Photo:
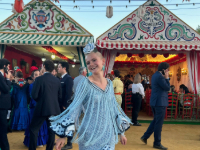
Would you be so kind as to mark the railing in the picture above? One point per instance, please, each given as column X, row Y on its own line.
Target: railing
column 181, row 106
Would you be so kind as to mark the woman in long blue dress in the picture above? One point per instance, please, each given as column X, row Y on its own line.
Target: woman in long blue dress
column 19, row 96
column 43, row 132
column 103, row 120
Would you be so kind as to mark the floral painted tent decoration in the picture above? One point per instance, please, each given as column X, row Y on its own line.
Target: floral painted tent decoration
column 152, row 29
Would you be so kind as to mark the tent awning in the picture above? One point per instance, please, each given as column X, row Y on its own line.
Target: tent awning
column 149, row 45
column 39, row 39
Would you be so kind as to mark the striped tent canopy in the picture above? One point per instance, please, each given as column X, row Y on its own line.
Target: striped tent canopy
column 150, row 45
column 41, row 39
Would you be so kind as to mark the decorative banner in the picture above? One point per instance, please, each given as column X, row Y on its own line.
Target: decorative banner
column 141, row 55
column 117, row 54
column 154, row 55
column 166, row 55
column 129, row 55
column 180, row 55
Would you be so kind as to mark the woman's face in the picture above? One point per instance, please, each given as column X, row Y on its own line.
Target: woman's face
column 36, row 74
column 181, row 90
column 94, row 63
column 108, row 77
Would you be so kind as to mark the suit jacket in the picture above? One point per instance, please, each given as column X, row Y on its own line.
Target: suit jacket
column 5, row 98
column 67, row 87
column 160, row 87
column 46, row 92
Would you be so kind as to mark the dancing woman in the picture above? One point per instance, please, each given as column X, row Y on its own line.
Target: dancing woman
column 43, row 132
column 19, row 96
column 103, row 120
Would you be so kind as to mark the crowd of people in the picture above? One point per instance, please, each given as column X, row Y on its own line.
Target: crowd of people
column 86, row 110
column 44, row 105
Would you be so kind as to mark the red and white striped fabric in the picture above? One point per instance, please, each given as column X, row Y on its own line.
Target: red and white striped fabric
column 109, row 60
column 193, row 59
column 149, row 45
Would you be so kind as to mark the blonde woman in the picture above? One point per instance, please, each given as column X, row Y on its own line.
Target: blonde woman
column 118, row 87
column 138, row 94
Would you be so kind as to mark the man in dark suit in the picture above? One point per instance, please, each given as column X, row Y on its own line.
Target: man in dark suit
column 67, row 87
column 5, row 102
column 46, row 92
column 159, row 101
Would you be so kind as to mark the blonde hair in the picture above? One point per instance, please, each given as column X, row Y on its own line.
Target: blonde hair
column 137, row 79
column 96, row 52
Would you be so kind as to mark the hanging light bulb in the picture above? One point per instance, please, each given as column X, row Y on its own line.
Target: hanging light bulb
column 74, row 59
column 43, row 58
column 73, row 66
column 53, row 56
column 55, row 64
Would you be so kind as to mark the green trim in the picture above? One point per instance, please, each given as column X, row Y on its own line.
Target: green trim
column 43, row 39
column 173, row 122
column 79, row 55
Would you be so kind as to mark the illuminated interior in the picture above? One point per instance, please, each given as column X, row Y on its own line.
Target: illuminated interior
column 146, row 58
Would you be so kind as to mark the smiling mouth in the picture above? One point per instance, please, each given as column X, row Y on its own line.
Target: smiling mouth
column 93, row 68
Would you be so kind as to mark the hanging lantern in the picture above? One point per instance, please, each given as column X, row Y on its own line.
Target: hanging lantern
column 141, row 55
column 109, row 11
column 166, row 55
column 19, row 6
column 141, row 11
column 117, row 54
column 129, row 55
column 180, row 55
column 154, row 55
column 112, row 72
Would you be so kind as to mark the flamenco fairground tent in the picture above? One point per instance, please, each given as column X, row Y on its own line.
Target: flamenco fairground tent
column 43, row 28
column 159, row 31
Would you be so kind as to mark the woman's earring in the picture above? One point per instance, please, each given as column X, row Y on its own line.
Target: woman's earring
column 90, row 74
column 103, row 68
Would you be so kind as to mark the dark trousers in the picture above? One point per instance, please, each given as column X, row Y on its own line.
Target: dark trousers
column 34, row 128
column 4, row 145
column 136, row 101
column 156, row 124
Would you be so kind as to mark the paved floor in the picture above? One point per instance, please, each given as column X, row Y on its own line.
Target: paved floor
column 175, row 137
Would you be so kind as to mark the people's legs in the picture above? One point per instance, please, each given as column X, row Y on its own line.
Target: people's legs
column 119, row 100
column 4, row 145
column 51, row 138
column 150, row 129
column 160, row 115
column 136, row 109
column 34, row 128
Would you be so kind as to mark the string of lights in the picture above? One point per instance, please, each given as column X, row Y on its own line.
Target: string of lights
column 86, row 10
column 178, row 4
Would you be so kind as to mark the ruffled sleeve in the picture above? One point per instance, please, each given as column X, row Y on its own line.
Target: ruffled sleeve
column 64, row 124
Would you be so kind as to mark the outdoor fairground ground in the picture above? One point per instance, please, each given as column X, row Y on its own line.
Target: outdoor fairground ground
column 174, row 136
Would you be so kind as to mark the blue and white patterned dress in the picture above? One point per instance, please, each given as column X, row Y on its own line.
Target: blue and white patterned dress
column 103, row 120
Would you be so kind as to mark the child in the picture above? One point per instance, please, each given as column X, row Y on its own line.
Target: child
column 43, row 132
column 19, row 95
column 103, row 119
